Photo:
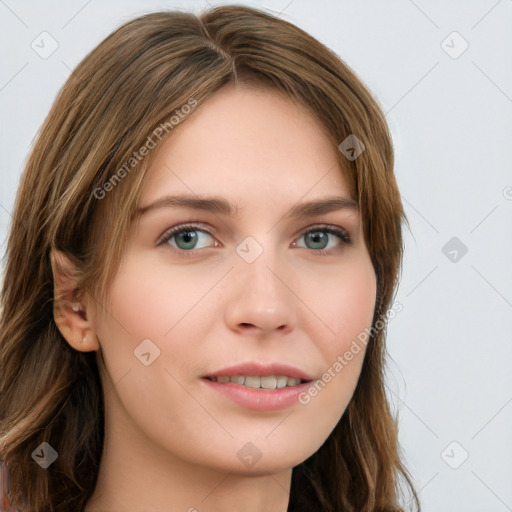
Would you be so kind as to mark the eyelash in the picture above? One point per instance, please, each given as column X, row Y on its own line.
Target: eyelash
column 341, row 234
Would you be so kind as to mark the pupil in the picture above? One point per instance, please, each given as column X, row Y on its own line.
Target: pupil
column 317, row 237
column 187, row 236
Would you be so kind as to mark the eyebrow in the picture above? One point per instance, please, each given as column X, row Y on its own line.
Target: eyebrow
column 220, row 206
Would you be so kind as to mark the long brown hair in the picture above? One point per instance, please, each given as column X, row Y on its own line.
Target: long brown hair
column 121, row 92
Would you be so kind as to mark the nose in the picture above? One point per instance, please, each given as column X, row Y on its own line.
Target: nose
column 261, row 298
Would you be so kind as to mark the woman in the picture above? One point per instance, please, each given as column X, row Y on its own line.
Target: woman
column 205, row 246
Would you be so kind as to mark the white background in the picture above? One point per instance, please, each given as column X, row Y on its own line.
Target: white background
column 451, row 119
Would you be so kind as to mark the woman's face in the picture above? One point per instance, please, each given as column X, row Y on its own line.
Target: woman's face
column 252, row 288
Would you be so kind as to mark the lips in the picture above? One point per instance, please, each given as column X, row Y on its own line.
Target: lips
column 256, row 399
column 259, row 369
column 237, row 384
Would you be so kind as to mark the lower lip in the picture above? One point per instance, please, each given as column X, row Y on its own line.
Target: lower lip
column 259, row 399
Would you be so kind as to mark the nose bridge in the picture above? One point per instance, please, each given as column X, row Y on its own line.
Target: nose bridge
column 261, row 296
column 262, row 277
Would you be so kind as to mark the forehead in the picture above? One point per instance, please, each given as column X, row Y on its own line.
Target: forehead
column 247, row 143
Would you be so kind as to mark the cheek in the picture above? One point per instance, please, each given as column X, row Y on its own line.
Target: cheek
column 151, row 318
column 156, row 310
column 147, row 301
column 344, row 304
column 346, row 309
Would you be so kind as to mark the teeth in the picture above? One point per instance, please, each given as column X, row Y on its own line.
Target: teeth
column 252, row 382
column 267, row 382
column 281, row 381
column 291, row 382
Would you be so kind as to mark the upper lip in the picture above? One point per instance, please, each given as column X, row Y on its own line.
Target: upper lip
column 260, row 369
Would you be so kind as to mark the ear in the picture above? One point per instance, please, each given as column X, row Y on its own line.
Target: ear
column 73, row 312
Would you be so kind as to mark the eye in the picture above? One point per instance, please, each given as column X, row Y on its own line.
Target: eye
column 319, row 237
column 185, row 237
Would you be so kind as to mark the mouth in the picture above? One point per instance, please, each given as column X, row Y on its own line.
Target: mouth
column 272, row 376
column 267, row 387
column 259, row 382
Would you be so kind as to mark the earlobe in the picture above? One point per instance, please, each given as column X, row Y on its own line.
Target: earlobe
column 71, row 311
